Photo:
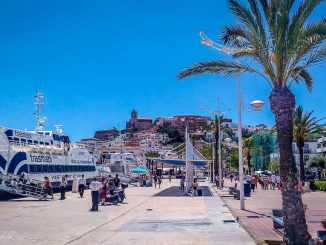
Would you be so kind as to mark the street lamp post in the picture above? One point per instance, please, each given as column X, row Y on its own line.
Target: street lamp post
column 256, row 104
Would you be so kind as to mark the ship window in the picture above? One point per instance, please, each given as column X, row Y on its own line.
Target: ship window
column 66, row 168
column 23, row 140
column 32, row 168
column 51, row 169
column 16, row 139
column 35, row 142
column 46, row 133
column 30, row 141
column 79, row 168
column 41, row 143
column 57, row 168
column 10, row 138
column 93, row 168
column 46, row 169
column 51, row 142
column 47, row 143
column 38, row 168
column 70, row 168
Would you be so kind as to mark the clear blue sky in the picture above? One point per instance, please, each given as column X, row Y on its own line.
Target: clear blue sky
column 97, row 60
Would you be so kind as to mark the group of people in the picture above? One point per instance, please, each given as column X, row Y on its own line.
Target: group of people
column 265, row 181
column 144, row 180
column 102, row 189
column 157, row 179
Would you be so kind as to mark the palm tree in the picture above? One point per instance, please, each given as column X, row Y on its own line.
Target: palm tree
column 274, row 40
column 249, row 147
column 304, row 124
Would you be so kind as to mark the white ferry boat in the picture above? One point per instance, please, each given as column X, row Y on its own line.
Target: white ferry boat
column 43, row 153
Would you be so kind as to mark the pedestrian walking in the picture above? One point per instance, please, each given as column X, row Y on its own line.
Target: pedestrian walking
column 273, row 180
column 62, row 187
column 195, row 187
column 217, row 180
column 47, row 187
column 252, row 183
column 103, row 191
column 182, row 183
column 116, row 181
column 231, row 177
column 81, row 186
column 278, row 181
column 155, row 180
column 256, row 181
column 159, row 181
column 170, row 177
column 95, row 186
column 265, row 182
column 111, row 186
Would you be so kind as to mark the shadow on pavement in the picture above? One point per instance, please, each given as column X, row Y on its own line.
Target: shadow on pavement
column 174, row 191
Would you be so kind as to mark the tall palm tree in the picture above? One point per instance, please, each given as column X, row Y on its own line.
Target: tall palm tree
column 249, row 147
column 304, row 124
column 274, row 40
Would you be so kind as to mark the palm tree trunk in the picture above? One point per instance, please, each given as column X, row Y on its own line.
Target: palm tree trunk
column 295, row 228
column 301, row 164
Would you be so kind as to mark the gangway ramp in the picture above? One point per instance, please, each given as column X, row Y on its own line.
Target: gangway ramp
column 22, row 187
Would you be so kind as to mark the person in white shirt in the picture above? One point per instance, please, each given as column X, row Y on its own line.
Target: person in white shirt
column 95, row 186
column 63, row 184
column 249, row 178
column 81, row 186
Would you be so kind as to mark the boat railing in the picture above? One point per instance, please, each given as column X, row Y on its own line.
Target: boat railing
column 36, row 147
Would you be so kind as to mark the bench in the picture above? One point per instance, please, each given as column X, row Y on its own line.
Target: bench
column 232, row 190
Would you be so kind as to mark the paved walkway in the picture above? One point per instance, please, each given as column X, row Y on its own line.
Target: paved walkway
column 150, row 216
column 256, row 218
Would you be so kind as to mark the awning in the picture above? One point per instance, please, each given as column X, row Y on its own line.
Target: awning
column 181, row 162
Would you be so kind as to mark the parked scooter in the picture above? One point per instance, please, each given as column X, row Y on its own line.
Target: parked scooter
column 112, row 199
column 121, row 192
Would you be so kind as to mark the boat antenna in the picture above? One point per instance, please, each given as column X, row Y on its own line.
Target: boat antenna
column 38, row 107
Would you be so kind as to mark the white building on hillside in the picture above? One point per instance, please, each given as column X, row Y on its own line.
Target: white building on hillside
column 321, row 145
column 309, row 151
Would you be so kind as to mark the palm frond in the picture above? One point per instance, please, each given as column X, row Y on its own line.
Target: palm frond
column 299, row 74
column 305, row 124
column 228, row 68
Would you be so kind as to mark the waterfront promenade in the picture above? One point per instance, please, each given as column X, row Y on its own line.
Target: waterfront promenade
column 258, row 209
column 149, row 216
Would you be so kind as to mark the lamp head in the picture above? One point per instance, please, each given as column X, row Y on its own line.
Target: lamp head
column 257, row 105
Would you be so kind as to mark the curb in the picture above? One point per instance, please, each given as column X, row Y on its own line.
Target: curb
column 233, row 212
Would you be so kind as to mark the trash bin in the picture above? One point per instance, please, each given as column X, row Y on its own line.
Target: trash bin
column 277, row 213
column 200, row 192
column 247, row 189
